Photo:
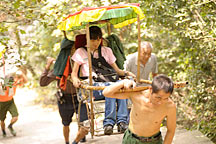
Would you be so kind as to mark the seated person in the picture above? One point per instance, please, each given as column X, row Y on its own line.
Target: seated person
column 80, row 59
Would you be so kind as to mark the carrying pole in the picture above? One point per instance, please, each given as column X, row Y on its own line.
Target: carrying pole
column 109, row 28
column 139, row 47
column 90, row 78
column 65, row 35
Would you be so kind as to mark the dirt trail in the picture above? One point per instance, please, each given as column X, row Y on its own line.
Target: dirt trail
column 38, row 125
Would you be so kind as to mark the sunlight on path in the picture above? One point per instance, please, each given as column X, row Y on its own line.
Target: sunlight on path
column 36, row 125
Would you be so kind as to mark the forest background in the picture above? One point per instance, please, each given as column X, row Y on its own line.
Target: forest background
column 183, row 34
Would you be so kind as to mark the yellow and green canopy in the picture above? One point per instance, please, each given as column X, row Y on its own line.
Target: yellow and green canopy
column 118, row 15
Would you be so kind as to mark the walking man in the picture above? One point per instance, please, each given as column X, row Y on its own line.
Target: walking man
column 150, row 107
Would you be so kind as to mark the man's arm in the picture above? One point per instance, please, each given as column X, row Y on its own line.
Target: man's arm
column 155, row 67
column 171, row 124
column 74, row 74
column 121, row 72
column 45, row 79
column 112, row 90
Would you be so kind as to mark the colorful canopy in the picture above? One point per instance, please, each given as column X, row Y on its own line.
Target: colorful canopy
column 118, row 15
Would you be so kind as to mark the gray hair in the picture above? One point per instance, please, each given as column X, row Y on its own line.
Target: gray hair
column 147, row 44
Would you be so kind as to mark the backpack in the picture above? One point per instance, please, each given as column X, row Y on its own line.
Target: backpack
column 118, row 50
column 104, row 72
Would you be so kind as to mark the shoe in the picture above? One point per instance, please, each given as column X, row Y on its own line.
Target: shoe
column 83, row 140
column 122, row 127
column 12, row 131
column 108, row 129
column 4, row 133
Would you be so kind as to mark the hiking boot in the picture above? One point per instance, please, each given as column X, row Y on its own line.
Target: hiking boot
column 122, row 127
column 12, row 131
column 108, row 129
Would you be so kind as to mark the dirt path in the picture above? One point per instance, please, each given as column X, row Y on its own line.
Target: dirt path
column 37, row 125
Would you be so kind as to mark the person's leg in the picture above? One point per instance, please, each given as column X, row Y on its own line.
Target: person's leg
column 14, row 113
column 84, row 120
column 10, row 126
column 110, row 115
column 3, row 128
column 128, row 118
column 66, row 131
column 97, row 94
column 80, row 134
column 66, row 113
column 3, row 111
column 122, row 114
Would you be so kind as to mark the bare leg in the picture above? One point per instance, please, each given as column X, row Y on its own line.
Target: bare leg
column 66, row 131
column 2, row 125
column 3, row 128
column 81, row 134
column 10, row 127
column 13, row 120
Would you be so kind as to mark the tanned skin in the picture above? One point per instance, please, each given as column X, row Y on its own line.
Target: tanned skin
column 148, row 109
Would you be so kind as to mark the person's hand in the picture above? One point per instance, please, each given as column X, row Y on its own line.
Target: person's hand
column 128, row 84
column 76, row 82
column 131, row 74
column 50, row 61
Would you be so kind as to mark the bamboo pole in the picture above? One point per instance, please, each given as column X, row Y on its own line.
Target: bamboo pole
column 65, row 35
column 139, row 47
column 109, row 28
column 141, row 88
column 90, row 78
column 176, row 84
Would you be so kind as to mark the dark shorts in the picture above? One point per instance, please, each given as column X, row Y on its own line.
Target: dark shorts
column 66, row 110
column 130, row 138
column 8, row 106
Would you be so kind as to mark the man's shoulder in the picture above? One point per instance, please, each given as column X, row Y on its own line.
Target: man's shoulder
column 170, row 105
column 153, row 55
column 131, row 56
column 153, row 58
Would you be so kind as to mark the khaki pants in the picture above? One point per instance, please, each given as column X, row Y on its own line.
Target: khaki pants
column 8, row 106
column 129, row 139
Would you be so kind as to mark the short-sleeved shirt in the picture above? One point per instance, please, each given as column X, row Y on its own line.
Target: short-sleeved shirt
column 150, row 66
column 81, row 57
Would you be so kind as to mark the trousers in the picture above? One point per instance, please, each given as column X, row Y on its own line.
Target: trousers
column 112, row 116
column 130, row 139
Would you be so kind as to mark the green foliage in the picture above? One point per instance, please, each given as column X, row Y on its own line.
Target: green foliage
column 183, row 34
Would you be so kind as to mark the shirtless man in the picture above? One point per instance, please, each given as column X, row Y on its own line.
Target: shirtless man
column 149, row 109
